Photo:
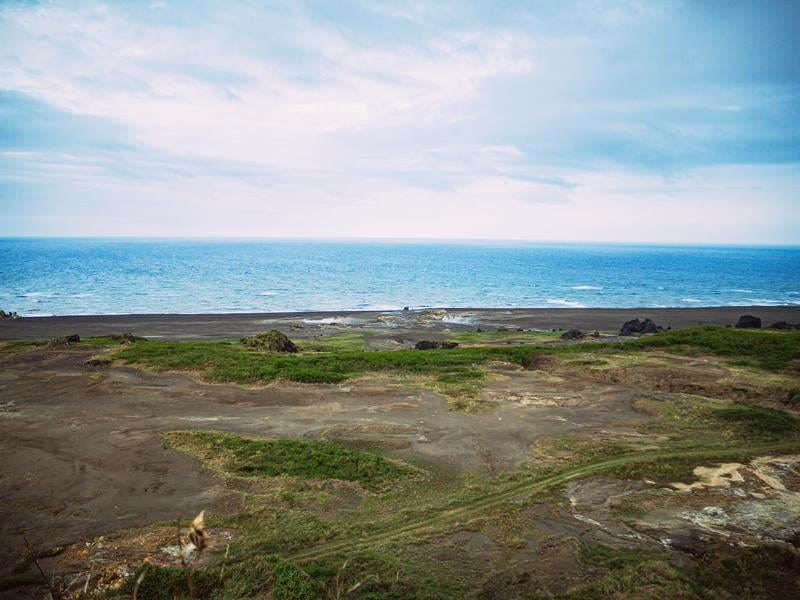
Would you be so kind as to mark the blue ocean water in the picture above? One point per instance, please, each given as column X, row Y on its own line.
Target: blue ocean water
column 104, row 276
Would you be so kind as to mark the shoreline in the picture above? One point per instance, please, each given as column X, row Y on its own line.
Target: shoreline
column 308, row 323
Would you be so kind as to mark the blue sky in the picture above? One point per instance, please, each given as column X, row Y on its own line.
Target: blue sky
column 663, row 121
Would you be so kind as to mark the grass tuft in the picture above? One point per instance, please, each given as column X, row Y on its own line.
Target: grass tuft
column 313, row 459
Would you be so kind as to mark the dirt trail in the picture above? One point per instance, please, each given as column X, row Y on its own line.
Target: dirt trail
column 487, row 501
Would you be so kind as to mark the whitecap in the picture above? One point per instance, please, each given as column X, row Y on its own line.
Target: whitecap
column 568, row 303
column 587, row 287
column 691, row 300
column 268, row 293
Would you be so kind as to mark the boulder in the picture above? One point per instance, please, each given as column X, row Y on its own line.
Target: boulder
column 637, row 327
column 63, row 341
column 124, row 338
column 270, row 341
column 595, row 334
column 8, row 315
column 748, row 322
column 573, row 334
column 781, row 325
column 430, row 345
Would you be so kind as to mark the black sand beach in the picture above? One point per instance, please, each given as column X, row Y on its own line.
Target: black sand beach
column 222, row 326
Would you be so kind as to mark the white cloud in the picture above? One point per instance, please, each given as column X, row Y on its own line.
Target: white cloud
column 575, row 121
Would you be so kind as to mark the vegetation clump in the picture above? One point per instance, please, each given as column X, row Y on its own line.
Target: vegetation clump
column 222, row 361
column 770, row 350
column 313, row 459
column 267, row 577
column 270, row 341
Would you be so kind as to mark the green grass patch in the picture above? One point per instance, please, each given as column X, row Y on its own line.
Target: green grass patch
column 268, row 577
column 250, row 457
column 757, row 422
column 225, row 361
column 13, row 346
column 340, row 342
column 765, row 349
column 503, row 337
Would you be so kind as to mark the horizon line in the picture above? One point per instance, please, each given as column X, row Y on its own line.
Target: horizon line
column 397, row 240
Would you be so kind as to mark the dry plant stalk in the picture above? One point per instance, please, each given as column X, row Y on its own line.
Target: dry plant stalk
column 198, row 540
column 140, row 579
column 50, row 584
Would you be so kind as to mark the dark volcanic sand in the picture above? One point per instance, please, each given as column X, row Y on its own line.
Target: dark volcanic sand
column 209, row 326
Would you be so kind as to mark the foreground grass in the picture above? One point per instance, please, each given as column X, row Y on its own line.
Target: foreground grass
column 229, row 361
column 764, row 349
column 503, row 337
column 253, row 457
column 766, row 571
column 225, row 361
column 338, row 342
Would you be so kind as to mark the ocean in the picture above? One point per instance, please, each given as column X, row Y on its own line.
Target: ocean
column 40, row 277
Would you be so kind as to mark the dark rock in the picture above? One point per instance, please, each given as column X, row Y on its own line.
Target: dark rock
column 406, row 308
column 63, row 341
column 426, row 345
column 573, row 334
column 479, row 330
column 637, row 327
column 780, row 325
column 124, row 338
column 8, row 315
column 748, row 322
column 502, row 329
column 429, row 345
column 271, row 341
column 595, row 334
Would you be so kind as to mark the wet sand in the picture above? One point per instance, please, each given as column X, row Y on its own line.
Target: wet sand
column 221, row 326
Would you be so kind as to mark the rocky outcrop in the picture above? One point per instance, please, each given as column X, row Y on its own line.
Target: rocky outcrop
column 63, row 341
column 748, row 322
column 637, row 327
column 429, row 345
column 270, row 341
column 8, row 315
column 573, row 334
column 782, row 325
column 124, row 338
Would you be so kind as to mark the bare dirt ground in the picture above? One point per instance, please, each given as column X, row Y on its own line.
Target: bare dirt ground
column 81, row 453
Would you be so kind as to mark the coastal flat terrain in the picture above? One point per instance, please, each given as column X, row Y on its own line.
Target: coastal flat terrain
column 234, row 325
column 516, row 465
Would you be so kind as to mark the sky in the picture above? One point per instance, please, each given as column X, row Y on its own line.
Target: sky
column 621, row 121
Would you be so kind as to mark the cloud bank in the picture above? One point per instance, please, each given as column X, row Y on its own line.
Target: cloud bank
column 620, row 121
